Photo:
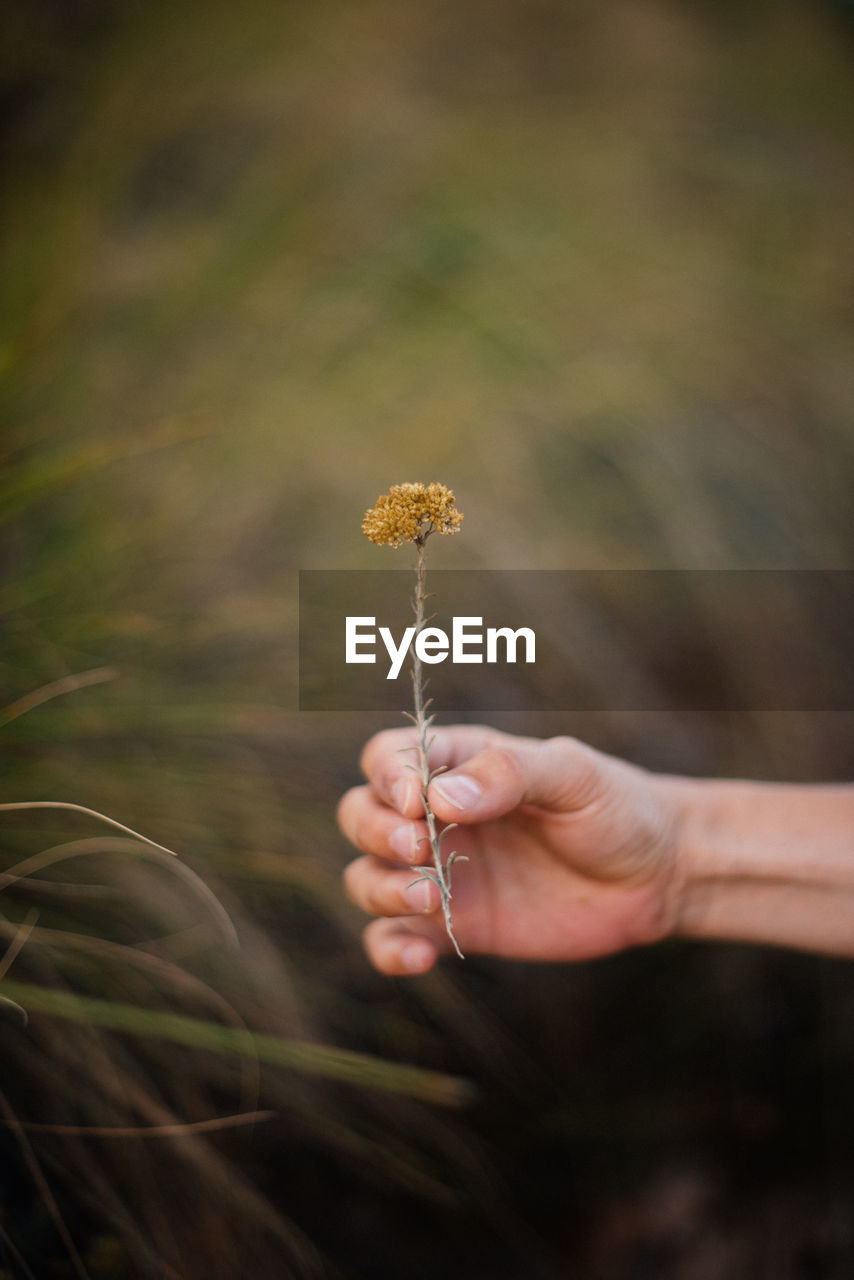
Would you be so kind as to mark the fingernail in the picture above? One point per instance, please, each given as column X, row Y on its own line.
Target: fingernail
column 402, row 841
column 400, row 794
column 416, row 956
column 459, row 790
column 418, row 895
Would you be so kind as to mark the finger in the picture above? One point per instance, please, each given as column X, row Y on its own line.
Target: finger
column 403, row 949
column 382, row 890
column 561, row 774
column 375, row 828
column 388, row 759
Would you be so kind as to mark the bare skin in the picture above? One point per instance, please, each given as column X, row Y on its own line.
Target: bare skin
column 575, row 854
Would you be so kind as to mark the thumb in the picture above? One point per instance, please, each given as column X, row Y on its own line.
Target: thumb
column 560, row 774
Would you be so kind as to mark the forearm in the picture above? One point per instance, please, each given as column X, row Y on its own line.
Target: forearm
column 767, row 862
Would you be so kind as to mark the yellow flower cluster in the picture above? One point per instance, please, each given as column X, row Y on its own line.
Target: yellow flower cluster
column 411, row 511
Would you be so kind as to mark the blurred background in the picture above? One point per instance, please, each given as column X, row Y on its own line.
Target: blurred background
column 590, row 265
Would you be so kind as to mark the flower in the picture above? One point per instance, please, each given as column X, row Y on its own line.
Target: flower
column 410, row 513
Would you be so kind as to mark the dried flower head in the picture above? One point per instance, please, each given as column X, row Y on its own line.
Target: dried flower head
column 410, row 513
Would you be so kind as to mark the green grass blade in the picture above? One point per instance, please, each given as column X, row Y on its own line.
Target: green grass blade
column 344, row 1065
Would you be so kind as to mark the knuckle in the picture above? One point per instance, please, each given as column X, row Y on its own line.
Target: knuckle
column 581, row 762
column 366, row 756
column 346, row 807
column 351, row 877
column 373, row 898
column 490, row 735
column 359, row 833
column 374, row 891
column 566, row 745
column 504, row 765
column 364, row 886
column 374, row 942
column 361, row 821
column 377, row 750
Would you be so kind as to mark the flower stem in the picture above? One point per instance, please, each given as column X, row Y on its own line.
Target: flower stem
column 441, row 875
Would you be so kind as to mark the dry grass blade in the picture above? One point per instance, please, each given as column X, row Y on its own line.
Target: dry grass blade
column 12, row 1005
column 68, row 684
column 44, row 1188
column 191, row 1127
column 22, row 933
column 92, row 813
column 20, row 1260
column 146, row 849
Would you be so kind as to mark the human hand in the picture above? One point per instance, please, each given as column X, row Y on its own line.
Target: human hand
column 572, row 853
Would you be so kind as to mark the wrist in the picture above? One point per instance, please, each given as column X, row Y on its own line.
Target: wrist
column 766, row 862
column 710, row 857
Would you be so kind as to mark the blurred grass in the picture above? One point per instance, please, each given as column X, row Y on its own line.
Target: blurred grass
column 313, row 1059
column 590, row 265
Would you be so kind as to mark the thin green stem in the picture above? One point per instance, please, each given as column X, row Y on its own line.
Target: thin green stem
column 325, row 1061
column 441, row 874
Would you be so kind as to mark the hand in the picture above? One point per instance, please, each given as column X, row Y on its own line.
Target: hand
column 571, row 853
